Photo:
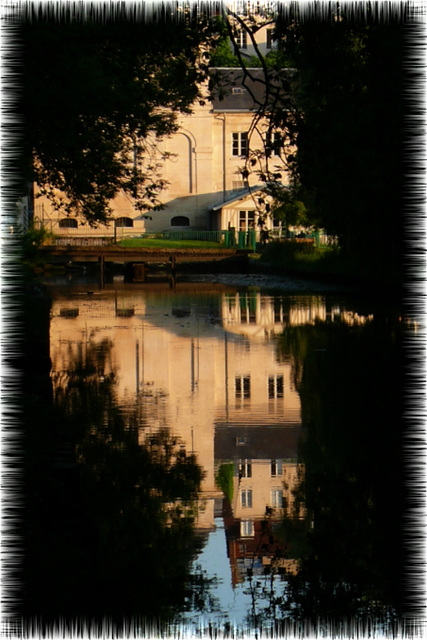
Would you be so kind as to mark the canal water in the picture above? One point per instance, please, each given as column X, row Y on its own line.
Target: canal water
column 217, row 456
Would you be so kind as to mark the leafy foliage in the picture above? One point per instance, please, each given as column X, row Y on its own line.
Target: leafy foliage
column 352, row 487
column 340, row 109
column 109, row 524
column 31, row 240
column 223, row 53
column 224, row 479
column 97, row 97
column 348, row 91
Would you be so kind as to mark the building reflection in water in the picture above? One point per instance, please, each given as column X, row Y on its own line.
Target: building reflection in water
column 203, row 361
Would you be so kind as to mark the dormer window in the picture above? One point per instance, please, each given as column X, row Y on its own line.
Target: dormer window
column 242, row 7
column 239, row 90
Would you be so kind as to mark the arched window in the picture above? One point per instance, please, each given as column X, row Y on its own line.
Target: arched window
column 68, row 223
column 180, row 221
column 124, row 222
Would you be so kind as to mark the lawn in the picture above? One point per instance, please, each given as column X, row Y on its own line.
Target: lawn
column 158, row 243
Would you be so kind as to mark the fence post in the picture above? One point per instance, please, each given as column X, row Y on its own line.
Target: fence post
column 317, row 237
column 252, row 239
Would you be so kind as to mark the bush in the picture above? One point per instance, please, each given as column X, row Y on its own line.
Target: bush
column 281, row 251
column 224, row 479
column 31, row 241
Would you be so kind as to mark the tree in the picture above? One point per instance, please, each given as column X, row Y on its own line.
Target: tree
column 353, row 483
column 349, row 89
column 99, row 90
column 109, row 529
column 342, row 114
column 345, row 525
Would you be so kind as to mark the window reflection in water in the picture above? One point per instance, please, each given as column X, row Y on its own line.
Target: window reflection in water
column 177, row 367
column 209, row 380
column 210, row 368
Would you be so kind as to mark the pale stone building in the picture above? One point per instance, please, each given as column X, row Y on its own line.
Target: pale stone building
column 216, row 379
column 206, row 190
column 175, row 369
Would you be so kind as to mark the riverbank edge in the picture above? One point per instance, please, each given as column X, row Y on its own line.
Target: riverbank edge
column 356, row 282
column 245, row 264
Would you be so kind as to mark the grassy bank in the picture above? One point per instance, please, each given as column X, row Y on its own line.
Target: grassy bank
column 300, row 256
column 160, row 243
column 291, row 258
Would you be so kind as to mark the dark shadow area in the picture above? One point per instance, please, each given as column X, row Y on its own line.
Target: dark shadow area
column 108, row 525
column 350, row 540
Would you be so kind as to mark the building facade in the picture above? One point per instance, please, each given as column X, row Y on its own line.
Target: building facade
column 203, row 170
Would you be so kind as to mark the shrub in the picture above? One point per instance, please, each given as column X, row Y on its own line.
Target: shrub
column 224, row 479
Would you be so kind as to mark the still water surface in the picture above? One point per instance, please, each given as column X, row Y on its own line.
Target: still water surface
column 224, row 455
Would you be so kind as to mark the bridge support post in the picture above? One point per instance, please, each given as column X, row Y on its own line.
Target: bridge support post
column 138, row 272
column 101, row 261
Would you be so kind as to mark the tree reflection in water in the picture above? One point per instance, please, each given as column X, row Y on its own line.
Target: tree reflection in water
column 347, row 520
column 111, row 502
column 110, row 509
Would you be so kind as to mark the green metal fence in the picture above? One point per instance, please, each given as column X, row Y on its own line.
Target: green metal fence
column 318, row 236
column 189, row 234
column 228, row 238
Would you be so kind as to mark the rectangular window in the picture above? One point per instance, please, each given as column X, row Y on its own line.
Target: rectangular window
column 242, row 7
column 276, row 468
column 271, row 44
column 245, row 469
column 231, row 302
column 246, row 220
column 246, row 498
column 278, row 310
column 240, row 144
column 275, row 386
column 277, row 498
column 247, row 529
column 238, row 185
column 242, row 39
column 243, row 386
column 248, row 308
column 273, row 144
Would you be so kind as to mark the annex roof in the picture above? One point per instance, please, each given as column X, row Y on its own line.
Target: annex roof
column 241, row 195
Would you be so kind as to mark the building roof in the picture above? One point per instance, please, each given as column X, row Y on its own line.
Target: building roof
column 257, row 442
column 241, row 195
column 233, row 90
